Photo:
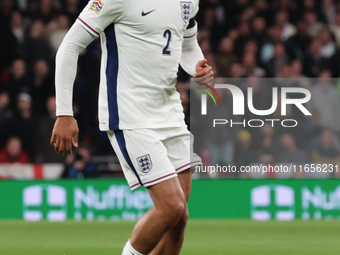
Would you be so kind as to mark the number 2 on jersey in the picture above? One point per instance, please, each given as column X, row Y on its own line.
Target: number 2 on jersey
column 167, row 34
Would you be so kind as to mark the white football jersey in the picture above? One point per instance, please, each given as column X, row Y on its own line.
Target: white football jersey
column 141, row 49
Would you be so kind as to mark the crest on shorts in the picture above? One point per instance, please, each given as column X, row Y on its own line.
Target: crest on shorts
column 145, row 163
column 186, row 11
column 97, row 6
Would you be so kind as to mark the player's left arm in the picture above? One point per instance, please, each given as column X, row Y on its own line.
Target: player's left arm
column 192, row 60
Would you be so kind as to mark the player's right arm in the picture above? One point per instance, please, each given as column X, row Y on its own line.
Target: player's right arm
column 65, row 131
column 96, row 16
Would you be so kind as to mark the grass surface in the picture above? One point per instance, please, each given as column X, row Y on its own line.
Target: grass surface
column 203, row 237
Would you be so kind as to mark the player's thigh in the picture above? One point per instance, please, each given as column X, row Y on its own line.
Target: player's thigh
column 168, row 195
column 185, row 180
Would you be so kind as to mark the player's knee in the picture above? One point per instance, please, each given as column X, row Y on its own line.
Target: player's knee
column 185, row 216
column 182, row 222
column 174, row 212
column 177, row 210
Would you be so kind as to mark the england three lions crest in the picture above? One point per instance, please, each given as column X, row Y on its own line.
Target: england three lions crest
column 145, row 163
column 186, row 11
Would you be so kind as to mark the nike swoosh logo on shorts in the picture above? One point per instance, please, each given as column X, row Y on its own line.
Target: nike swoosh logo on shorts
column 146, row 13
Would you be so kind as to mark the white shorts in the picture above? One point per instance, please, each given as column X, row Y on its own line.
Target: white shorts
column 150, row 156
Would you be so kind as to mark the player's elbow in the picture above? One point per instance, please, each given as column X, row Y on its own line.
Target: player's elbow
column 67, row 52
column 62, row 51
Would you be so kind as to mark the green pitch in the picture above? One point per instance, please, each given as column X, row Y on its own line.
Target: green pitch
column 203, row 237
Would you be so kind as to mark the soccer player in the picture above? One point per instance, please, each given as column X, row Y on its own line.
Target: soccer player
column 143, row 42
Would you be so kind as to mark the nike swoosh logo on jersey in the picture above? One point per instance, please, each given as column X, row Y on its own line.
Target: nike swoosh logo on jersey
column 146, row 13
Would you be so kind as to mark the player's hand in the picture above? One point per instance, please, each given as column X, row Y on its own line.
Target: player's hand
column 65, row 134
column 203, row 70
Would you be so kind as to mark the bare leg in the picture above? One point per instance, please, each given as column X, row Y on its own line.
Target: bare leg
column 169, row 205
column 172, row 241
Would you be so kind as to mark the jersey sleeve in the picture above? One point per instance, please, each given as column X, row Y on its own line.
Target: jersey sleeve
column 195, row 8
column 99, row 14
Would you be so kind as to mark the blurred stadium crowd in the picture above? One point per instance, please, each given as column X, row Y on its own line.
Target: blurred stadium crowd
column 240, row 38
